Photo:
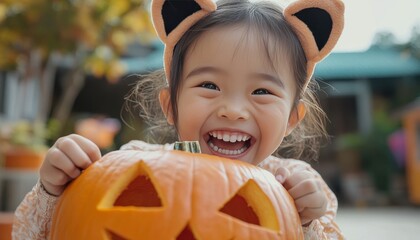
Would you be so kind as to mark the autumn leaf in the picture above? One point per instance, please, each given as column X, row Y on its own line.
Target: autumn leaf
column 116, row 9
column 135, row 20
column 116, row 69
column 96, row 66
column 3, row 11
column 120, row 39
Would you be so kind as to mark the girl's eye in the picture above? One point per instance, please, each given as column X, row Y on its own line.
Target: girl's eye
column 261, row 91
column 210, row 85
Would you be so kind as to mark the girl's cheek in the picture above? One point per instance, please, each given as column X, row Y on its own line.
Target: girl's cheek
column 207, row 94
column 265, row 99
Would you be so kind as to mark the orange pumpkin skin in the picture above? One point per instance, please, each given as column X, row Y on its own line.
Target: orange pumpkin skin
column 194, row 191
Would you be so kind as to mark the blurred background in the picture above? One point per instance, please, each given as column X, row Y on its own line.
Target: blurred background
column 67, row 65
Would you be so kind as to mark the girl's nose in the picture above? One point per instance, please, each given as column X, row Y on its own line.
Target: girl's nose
column 233, row 111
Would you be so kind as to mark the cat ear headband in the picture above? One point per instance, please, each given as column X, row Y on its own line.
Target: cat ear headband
column 317, row 23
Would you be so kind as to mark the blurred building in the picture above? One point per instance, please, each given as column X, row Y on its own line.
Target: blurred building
column 360, row 90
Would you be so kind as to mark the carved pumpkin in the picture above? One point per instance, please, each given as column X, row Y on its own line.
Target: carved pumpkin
column 174, row 195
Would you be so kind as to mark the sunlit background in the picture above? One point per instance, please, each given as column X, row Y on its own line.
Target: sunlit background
column 364, row 19
column 66, row 66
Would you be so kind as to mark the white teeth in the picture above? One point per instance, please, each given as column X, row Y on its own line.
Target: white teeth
column 219, row 135
column 239, row 138
column 214, row 147
column 229, row 137
column 226, row 137
column 226, row 151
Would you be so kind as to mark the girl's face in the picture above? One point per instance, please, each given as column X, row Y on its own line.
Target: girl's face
column 231, row 99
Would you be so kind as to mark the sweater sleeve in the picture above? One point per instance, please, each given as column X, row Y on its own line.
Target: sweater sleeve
column 144, row 146
column 34, row 215
column 324, row 227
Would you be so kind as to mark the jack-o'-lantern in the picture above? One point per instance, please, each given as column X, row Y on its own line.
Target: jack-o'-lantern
column 170, row 195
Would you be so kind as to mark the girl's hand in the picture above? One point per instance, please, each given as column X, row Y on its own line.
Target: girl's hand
column 65, row 160
column 310, row 200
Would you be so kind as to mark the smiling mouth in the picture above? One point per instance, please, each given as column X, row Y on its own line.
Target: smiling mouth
column 229, row 144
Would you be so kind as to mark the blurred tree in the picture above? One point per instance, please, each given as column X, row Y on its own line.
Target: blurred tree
column 388, row 40
column 88, row 35
column 384, row 40
column 414, row 44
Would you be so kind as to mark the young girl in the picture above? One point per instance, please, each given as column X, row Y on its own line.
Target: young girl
column 237, row 79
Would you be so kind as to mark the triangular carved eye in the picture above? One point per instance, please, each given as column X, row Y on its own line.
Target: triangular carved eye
column 239, row 208
column 139, row 193
column 186, row 234
column 134, row 188
column 251, row 205
column 113, row 236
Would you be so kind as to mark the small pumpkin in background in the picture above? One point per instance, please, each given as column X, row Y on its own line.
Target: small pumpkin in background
column 174, row 195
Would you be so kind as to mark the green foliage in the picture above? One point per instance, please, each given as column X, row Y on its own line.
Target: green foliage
column 388, row 40
column 414, row 44
column 377, row 158
column 27, row 134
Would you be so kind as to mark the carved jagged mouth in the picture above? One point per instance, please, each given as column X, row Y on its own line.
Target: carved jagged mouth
column 229, row 143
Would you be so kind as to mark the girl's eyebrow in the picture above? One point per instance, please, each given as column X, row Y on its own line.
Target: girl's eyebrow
column 207, row 69
column 268, row 77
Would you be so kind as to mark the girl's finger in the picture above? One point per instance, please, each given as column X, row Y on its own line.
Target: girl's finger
column 74, row 152
column 282, row 174
column 59, row 160
column 296, row 178
column 56, row 177
column 313, row 200
column 304, row 188
column 87, row 146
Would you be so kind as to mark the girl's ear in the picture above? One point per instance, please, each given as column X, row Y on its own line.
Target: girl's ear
column 296, row 116
column 165, row 104
column 172, row 18
column 318, row 24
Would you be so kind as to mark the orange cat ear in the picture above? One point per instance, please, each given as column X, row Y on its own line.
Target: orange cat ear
column 319, row 24
column 172, row 18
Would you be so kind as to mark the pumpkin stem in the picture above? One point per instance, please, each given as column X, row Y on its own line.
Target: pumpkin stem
column 188, row 146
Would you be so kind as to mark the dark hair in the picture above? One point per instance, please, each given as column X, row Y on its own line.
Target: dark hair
column 277, row 36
